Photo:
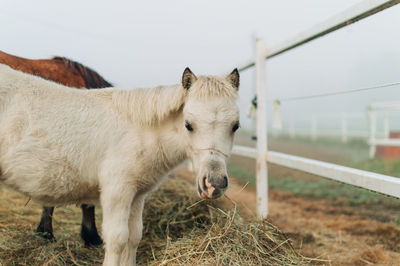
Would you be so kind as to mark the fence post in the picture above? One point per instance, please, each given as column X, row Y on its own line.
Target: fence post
column 313, row 127
column 344, row 128
column 386, row 127
column 261, row 167
column 372, row 131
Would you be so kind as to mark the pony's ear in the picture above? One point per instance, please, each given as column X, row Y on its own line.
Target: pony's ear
column 188, row 78
column 234, row 78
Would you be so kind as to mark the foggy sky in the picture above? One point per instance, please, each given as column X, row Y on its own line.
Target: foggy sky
column 149, row 43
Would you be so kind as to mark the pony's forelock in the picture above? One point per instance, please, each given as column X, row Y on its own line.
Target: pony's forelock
column 211, row 86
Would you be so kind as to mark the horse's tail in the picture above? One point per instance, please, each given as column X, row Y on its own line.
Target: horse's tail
column 92, row 79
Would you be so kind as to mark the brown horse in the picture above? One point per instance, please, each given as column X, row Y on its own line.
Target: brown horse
column 72, row 74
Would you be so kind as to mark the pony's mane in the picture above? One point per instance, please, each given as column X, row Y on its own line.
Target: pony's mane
column 142, row 105
column 151, row 106
column 92, row 78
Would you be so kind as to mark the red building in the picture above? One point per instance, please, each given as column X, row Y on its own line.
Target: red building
column 389, row 151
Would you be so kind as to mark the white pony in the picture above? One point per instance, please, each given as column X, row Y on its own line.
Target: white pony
column 61, row 146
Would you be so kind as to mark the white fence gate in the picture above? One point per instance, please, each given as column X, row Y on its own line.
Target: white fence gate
column 373, row 110
column 381, row 183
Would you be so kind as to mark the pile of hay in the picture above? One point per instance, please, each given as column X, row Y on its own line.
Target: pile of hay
column 178, row 229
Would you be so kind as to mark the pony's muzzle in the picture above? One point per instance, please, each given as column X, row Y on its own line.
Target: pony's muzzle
column 213, row 186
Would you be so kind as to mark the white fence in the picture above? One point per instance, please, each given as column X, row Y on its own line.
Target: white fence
column 373, row 126
column 377, row 182
column 342, row 126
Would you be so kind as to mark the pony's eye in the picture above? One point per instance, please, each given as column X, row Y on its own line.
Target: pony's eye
column 235, row 127
column 188, row 126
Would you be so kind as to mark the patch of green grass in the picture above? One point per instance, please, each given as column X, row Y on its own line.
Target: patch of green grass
column 333, row 190
column 353, row 143
column 353, row 150
column 241, row 174
column 323, row 188
column 388, row 166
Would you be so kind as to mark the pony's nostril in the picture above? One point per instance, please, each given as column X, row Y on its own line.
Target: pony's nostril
column 204, row 182
column 224, row 182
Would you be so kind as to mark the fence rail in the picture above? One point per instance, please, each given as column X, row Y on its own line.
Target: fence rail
column 380, row 183
column 386, row 142
column 349, row 16
column 377, row 182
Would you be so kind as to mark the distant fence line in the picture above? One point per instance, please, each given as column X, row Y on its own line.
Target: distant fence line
column 343, row 125
column 315, row 126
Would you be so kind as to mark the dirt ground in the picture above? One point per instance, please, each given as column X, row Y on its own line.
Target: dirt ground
column 324, row 229
column 319, row 229
column 331, row 233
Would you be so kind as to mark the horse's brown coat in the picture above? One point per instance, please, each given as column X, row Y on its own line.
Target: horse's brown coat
column 58, row 69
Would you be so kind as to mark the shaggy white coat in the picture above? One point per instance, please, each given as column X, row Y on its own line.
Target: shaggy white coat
column 61, row 146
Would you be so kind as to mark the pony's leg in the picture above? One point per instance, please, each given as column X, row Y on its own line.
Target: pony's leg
column 89, row 232
column 45, row 227
column 116, row 203
column 135, row 232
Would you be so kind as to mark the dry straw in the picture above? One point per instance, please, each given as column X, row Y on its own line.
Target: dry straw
column 178, row 230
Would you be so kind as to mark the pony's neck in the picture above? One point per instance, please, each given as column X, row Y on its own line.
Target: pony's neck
column 158, row 110
column 172, row 140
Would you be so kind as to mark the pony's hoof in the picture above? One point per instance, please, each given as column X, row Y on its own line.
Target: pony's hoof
column 94, row 242
column 46, row 235
column 91, row 237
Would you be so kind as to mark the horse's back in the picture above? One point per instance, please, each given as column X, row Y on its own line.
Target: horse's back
column 49, row 69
